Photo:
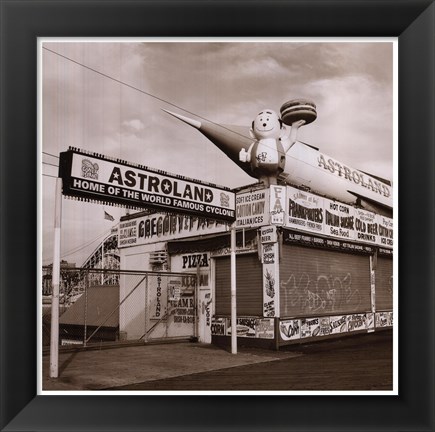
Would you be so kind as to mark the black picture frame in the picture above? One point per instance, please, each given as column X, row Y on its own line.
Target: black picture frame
column 412, row 21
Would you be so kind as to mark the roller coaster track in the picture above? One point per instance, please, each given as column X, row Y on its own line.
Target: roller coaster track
column 108, row 248
column 74, row 279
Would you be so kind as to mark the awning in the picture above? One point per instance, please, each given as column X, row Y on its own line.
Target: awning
column 209, row 242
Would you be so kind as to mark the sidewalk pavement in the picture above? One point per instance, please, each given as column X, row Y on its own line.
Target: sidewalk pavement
column 108, row 368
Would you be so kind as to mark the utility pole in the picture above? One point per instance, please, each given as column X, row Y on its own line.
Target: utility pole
column 233, row 291
column 54, row 337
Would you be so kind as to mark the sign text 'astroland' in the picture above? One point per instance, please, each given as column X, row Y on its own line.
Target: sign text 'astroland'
column 92, row 177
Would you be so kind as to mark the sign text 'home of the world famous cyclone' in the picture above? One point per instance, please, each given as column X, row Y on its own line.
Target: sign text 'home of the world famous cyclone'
column 94, row 177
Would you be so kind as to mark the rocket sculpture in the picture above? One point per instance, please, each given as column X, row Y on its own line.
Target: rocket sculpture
column 270, row 152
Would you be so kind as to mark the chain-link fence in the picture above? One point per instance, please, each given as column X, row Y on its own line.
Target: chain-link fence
column 110, row 306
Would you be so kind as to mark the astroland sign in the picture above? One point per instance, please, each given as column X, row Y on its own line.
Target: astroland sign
column 94, row 177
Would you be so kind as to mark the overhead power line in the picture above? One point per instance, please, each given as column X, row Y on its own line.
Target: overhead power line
column 46, row 163
column 50, row 154
column 79, row 248
column 142, row 91
column 83, row 246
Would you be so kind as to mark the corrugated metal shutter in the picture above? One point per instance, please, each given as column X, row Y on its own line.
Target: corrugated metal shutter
column 323, row 282
column 384, row 284
column 249, row 277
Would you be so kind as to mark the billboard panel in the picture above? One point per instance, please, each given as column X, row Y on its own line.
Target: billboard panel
column 164, row 227
column 305, row 211
column 311, row 213
column 252, row 208
column 366, row 227
column 97, row 178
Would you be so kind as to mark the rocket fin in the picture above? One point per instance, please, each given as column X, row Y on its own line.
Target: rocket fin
column 309, row 145
column 372, row 205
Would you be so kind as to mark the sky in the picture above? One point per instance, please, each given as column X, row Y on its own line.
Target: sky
column 107, row 97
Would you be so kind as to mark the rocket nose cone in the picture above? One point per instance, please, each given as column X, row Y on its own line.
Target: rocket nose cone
column 196, row 124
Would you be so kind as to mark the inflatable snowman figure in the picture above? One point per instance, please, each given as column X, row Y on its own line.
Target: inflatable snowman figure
column 267, row 154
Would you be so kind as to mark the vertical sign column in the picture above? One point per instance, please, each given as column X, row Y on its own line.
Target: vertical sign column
column 270, row 260
column 277, row 204
column 373, row 265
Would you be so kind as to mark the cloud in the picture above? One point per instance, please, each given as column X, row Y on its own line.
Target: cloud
column 133, row 126
column 354, row 122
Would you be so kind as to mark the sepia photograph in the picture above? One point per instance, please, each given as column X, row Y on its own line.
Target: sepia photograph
column 218, row 216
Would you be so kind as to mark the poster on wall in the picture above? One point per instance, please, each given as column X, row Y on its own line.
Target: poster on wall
column 338, row 324
column 339, row 220
column 370, row 321
column 174, row 290
column 249, row 327
column 268, row 255
column 219, row 326
column 245, row 327
column 366, row 227
column 324, row 326
column 386, row 231
column 265, row 329
column 268, row 234
column 270, row 286
column 290, row 329
column 381, row 319
column 384, row 319
column 127, row 233
column 356, row 322
column 183, row 310
column 310, row 327
column 304, row 211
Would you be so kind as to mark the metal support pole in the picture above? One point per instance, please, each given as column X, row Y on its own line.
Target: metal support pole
column 85, row 312
column 147, row 311
column 102, row 263
column 373, row 267
column 54, row 337
column 233, row 291
column 196, row 297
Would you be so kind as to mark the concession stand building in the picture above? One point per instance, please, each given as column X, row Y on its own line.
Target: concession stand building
column 307, row 268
